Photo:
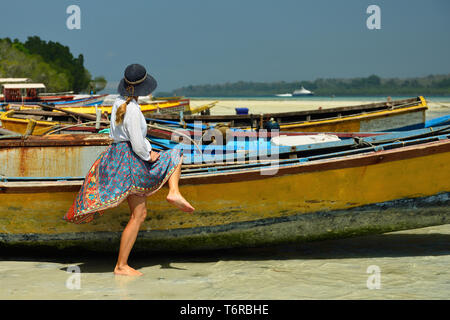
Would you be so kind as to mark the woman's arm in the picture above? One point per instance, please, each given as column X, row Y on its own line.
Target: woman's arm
column 132, row 125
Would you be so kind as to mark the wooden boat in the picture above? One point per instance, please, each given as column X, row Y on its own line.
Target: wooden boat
column 406, row 114
column 246, row 145
column 203, row 144
column 389, row 182
column 156, row 107
column 88, row 101
column 147, row 109
column 34, row 121
column 38, row 122
column 91, row 101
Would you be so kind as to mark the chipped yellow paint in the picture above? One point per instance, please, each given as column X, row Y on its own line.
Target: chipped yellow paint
column 21, row 125
column 219, row 204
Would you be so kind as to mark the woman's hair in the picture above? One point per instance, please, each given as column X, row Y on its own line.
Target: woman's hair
column 120, row 113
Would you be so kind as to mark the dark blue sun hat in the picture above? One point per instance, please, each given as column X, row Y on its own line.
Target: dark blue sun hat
column 136, row 82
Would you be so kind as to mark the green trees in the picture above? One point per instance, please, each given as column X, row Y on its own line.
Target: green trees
column 48, row 62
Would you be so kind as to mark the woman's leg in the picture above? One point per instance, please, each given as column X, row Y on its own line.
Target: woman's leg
column 174, row 195
column 138, row 210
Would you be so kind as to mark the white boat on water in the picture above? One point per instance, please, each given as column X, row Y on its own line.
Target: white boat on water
column 284, row 95
column 302, row 92
column 297, row 93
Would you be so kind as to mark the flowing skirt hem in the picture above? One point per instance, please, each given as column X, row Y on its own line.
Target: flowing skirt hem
column 87, row 215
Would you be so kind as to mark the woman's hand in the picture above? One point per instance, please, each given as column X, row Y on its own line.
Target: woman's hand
column 153, row 156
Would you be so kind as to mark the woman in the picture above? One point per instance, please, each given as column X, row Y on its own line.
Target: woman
column 129, row 168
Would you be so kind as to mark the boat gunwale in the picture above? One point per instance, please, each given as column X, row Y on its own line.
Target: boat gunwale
column 362, row 116
column 418, row 101
column 60, row 140
column 230, row 176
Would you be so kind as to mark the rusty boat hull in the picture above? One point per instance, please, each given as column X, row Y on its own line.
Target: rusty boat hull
column 388, row 187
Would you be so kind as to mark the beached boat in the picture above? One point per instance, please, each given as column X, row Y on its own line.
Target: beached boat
column 91, row 101
column 39, row 122
column 214, row 146
column 35, row 121
column 406, row 114
column 384, row 183
column 201, row 143
column 87, row 101
column 89, row 106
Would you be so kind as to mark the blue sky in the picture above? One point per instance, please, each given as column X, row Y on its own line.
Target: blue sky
column 184, row 42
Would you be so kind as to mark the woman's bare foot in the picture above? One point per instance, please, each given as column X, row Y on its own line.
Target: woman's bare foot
column 180, row 202
column 126, row 271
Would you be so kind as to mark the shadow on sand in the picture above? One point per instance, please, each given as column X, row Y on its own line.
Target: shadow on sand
column 377, row 246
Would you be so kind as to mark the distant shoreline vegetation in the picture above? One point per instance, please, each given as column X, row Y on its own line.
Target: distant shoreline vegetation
column 369, row 86
column 49, row 62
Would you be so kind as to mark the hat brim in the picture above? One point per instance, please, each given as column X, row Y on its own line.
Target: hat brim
column 142, row 89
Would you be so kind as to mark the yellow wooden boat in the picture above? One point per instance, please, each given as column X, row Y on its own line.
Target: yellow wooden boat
column 405, row 114
column 399, row 185
column 147, row 109
column 27, row 121
column 36, row 123
column 156, row 107
column 26, row 126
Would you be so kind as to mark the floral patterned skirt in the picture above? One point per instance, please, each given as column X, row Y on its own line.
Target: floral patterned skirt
column 117, row 173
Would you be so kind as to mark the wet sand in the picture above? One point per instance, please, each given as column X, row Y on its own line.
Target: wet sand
column 413, row 264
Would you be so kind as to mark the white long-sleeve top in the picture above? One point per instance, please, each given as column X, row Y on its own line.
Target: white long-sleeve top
column 133, row 128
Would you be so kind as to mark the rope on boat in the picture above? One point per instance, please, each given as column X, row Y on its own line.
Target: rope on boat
column 361, row 143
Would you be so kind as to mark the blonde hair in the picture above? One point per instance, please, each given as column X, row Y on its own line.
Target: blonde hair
column 120, row 113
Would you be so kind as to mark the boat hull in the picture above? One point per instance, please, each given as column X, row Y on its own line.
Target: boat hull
column 356, row 195
column 407, row 114
column 331, row 224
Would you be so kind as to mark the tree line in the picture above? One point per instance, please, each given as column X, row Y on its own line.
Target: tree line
column 48, row 62
column 371, row 85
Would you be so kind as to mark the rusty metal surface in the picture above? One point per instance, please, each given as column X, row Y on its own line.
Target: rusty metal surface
column 51, row 156
column 58, row 140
